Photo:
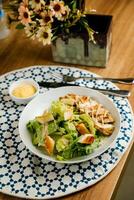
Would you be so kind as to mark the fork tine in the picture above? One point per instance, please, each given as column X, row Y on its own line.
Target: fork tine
column 57, row 75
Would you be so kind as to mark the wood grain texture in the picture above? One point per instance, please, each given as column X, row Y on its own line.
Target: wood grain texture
column 17, row 51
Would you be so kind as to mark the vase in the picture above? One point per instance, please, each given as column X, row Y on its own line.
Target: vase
column 79, row 50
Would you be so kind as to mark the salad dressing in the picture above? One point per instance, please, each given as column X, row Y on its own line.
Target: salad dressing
column 24, row 91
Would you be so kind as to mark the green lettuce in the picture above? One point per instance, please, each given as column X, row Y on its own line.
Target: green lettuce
column 35, row 128
column 58, row 108
column 63, row 142
column 76, row 149
column 52, row 127
column 88, row 122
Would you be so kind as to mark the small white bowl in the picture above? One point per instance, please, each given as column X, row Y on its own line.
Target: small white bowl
column 19, row 100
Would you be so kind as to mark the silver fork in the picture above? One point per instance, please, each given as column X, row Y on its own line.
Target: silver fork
column 67, row 78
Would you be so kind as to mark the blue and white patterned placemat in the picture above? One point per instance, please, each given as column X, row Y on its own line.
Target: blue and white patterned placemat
column 26, row 175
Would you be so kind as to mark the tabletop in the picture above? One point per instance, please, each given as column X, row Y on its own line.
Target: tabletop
column 17, row 51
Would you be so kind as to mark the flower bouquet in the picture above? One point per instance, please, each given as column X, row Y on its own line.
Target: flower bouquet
column 75, row 36
column 47, row 20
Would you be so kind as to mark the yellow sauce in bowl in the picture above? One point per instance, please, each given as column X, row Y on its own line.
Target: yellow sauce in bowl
column 24, row 91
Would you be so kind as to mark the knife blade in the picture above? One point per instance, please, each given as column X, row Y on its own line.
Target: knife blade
column 121, row 93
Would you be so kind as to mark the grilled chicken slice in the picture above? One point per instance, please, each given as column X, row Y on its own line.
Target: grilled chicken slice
column 86, row 139
column 69, row 99
column 82, row 129
column 105, row 119
column 68, row 115
column 87, row 106
column 106, row 129
column 49, row 144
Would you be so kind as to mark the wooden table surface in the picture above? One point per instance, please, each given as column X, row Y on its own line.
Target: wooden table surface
column 17, row 51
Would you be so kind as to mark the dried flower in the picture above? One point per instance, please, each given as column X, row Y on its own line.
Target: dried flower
column 57, row 8
column 31, row 30
column 24, row 15
column 65, row 13
column 44, row 35
column 37, row 4
column 24, row 3
column 47, row 20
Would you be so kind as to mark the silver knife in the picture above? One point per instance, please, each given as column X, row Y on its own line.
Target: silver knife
column 120, row 93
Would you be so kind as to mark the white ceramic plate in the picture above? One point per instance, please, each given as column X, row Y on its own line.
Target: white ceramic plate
column 43, row 101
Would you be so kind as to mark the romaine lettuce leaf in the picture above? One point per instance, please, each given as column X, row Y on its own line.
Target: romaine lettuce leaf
column 69, row 126
column 76, row 149
column 58, row 108
column 36, row 128
column 89, row 122
column 63, row 142
column 52, row 127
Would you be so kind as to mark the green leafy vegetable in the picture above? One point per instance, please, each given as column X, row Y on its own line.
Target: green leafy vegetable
column 58, row 109
column 90, row 124
column 20, row 26
column 64, row 142
column 36, row 128
column 52, row 127
column 76, row 149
